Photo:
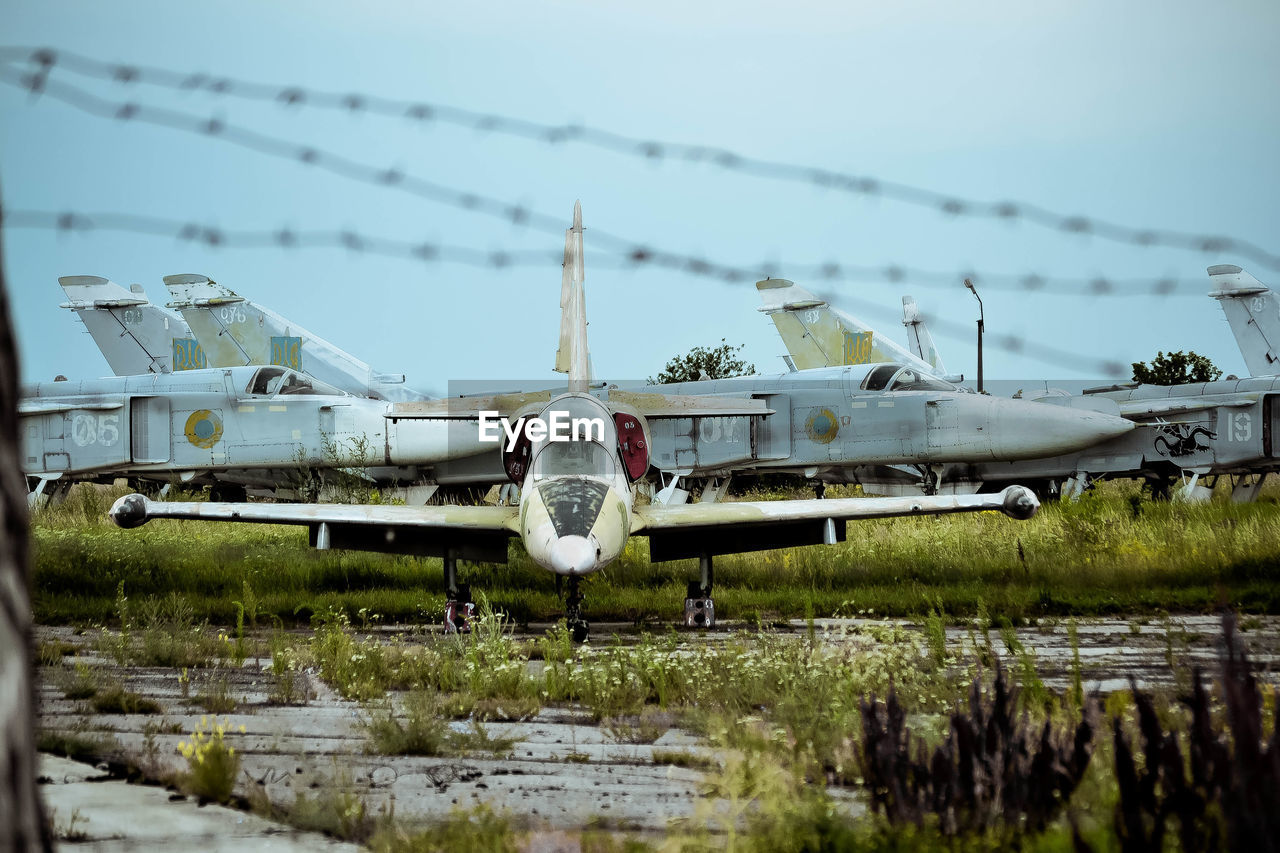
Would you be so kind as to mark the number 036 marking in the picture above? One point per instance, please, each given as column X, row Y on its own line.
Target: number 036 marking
column 99, row 429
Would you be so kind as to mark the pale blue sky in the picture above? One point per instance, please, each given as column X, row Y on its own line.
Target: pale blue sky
column 1154, row 114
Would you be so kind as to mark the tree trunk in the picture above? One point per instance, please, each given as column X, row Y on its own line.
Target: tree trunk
column 22, row 822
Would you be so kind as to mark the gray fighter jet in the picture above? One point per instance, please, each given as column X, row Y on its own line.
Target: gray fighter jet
column 577, row 505
column 1182, row 434
column 266, row 428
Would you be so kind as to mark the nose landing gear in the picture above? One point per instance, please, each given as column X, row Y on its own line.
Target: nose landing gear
column 573, row 611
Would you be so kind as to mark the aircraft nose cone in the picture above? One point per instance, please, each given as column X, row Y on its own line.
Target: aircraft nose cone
column 1026, row 429
column 572, row 555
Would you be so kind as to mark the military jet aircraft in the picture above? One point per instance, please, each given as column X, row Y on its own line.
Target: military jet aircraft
column 1182, row 432
column 577, row 505
column 237, row 428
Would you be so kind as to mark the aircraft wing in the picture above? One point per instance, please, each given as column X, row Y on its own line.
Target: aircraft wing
column 1139, row 410
column 692, row 530
column 468, row 532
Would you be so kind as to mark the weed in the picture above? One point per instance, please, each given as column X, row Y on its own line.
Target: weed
column 68, row 831
column 217, row 698
column 212, row 764
column 114, row 699
column 645, row 727
column 288, row 685
column 337, row 810
column 479, row 830
column 1231, row 789
column 424, row 730
column 77, row 743
column 52, row 652
column 995, row 770
column 82, row 683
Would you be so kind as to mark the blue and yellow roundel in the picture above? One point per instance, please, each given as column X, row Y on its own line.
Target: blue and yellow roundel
column 822, row 426
column 204, row 428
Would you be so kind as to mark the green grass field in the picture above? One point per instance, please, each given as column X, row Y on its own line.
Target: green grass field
column 1112, row 552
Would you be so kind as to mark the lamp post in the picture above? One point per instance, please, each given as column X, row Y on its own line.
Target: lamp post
column 974, row 291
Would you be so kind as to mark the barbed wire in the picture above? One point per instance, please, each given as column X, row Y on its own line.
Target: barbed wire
column 46, row 59
column 635, row 253
column 215, row 237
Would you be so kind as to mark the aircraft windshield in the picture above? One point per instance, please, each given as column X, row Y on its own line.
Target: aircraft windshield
column 895, row 377
column 573, row 457
column 909, row 379
column 879, row 377
column 270, row 381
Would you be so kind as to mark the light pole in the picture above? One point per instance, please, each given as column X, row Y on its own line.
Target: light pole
column 974, row 291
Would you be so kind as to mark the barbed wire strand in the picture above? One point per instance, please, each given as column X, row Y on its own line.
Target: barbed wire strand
column 215, row 237
column 46, row 59
column 636, row 253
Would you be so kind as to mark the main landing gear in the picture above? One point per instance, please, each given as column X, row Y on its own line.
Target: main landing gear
column 459, row 609
column 573, row 611
column 699, row 608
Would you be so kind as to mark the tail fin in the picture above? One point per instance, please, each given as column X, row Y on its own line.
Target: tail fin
column 918, row 336
column 233, row 330
column 573, row 356
column 1253, row 312
column 818, row 335
column 134, row 335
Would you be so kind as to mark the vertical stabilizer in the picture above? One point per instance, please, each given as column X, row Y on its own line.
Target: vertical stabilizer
column 818, row 335
column 1253, row 312
column 919, row 337
column 233, row 330
column 573, row 356
column 134, row 335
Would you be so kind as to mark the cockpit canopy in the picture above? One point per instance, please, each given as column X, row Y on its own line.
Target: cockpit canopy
column 581, row 439
column 897, row 377
column 272, row 380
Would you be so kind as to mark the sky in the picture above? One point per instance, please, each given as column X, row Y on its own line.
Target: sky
column 1157, row 115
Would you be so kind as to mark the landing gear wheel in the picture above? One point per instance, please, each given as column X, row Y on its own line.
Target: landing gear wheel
column 459, row 610
column 573, row 612
column 699, row 607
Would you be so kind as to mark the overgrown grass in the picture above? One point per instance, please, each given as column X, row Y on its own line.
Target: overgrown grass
column 1092, row 557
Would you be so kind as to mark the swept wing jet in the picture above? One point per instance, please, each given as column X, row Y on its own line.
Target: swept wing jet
column 1185, row 432
column 134, row 335
column 241, row 427
column 577, row 505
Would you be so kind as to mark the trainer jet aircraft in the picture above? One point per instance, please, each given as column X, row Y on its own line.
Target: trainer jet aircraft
column 577, row 506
